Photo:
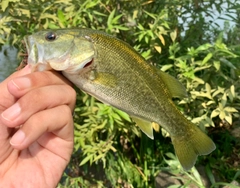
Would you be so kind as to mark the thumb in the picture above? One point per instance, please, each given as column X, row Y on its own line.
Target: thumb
column 22, row 72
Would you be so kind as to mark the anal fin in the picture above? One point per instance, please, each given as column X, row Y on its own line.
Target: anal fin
column 145, row 126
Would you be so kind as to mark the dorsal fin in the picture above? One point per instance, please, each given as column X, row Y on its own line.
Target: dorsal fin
column 175, row 88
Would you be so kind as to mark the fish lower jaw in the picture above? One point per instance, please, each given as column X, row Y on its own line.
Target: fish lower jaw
column 40, row 67
column 75, row 69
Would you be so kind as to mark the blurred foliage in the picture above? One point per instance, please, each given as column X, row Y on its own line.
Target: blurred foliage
column 180, row 37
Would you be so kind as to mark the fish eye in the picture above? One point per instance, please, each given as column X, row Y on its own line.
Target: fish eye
column 51, row 36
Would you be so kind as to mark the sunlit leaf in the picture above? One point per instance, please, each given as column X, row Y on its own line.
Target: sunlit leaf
column 228, row 118
column 4, row 4
column 161, row 39
column 217, row 65
column 215, row 113
column 166, row 67
column 158, row 48
column 232, row 90
column 222, row 114
column 173, row 35
column 230, row 109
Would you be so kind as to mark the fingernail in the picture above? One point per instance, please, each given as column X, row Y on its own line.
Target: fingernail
column 22, row 82
column 12, row 113
column 17, row 138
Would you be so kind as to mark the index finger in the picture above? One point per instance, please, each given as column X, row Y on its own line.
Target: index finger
column 21, row 85
column 6, row 98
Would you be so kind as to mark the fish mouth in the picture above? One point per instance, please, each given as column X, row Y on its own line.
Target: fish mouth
column 76, row 69
column 32, row 56
column 31, row 50
column 88, row 63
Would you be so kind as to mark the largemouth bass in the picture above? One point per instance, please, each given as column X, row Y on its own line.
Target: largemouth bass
column 114, row 73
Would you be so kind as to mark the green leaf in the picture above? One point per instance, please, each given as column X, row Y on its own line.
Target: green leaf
column 150, row 14
column 197, row 176
column 199, row 80
column 123, row 115
column 61, row 16
column 204, row 47
column 166, row 67
column 47, row 16
column 110, row 17
column 217, row 65
column 86, row 159
column 228, row 63
column 224, row 100
column 207, row 58
column 210, row 174
column 115, row 19
column 121, row 27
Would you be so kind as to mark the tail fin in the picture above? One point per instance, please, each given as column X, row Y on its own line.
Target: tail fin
column 187, row 148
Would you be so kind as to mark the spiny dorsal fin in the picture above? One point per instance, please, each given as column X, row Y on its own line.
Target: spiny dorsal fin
column 175, row 88
column 145, row 126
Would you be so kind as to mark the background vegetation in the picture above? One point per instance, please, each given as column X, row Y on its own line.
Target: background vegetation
column 180, row 37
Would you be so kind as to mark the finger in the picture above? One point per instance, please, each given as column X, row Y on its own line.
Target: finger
column 26, row 70
column 52, row 133
column 36, row 100
column 21, row 85
column 6, row 98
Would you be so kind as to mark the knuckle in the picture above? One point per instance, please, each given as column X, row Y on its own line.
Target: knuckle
column 72, row 92
column 66, row 111
column 31, row 99
column 40, row 78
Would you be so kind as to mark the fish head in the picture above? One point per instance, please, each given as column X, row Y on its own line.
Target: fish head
column 61, row 50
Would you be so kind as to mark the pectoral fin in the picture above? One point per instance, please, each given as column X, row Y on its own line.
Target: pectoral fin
column 175, row 88
column 103, row 78
column 145, row 126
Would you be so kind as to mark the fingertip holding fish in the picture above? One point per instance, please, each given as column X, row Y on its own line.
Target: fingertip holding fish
column 21, row 83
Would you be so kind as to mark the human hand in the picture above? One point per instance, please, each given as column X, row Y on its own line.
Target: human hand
column 36, row 128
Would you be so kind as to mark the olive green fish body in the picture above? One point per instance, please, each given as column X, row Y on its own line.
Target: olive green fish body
column 113, row 72
column 137, row 88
